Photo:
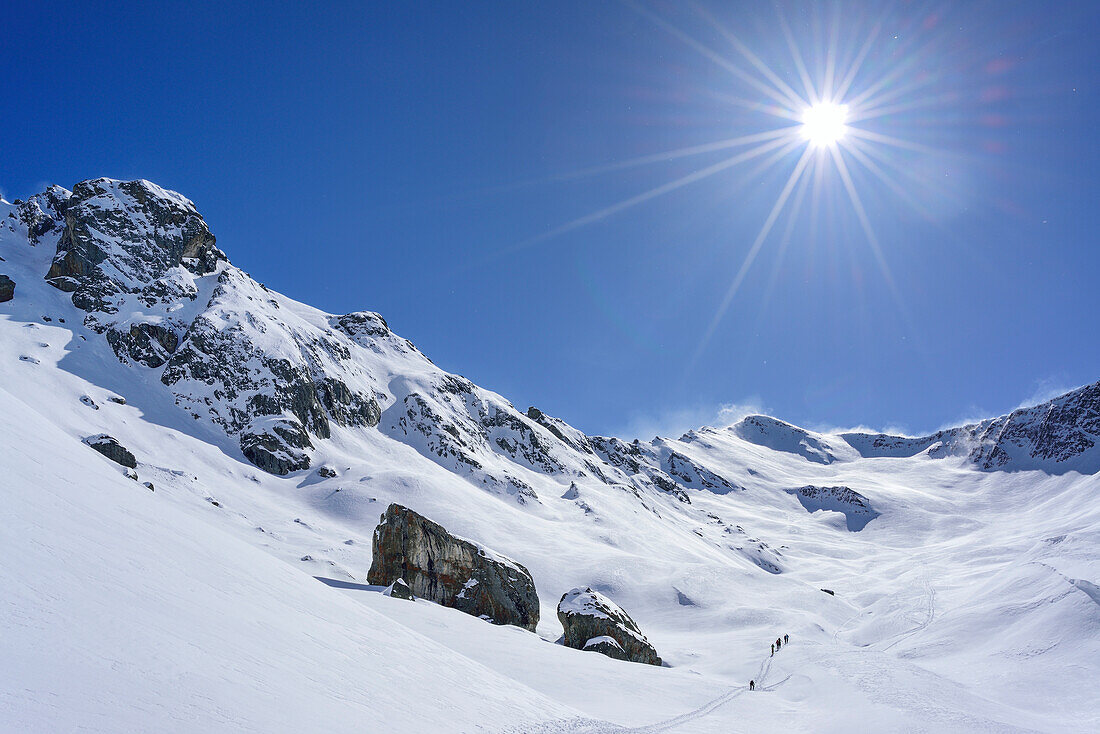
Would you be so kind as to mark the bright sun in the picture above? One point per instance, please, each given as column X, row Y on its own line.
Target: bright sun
column 823, row 123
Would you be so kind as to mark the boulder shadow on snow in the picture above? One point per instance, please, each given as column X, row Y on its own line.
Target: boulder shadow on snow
column 341, row 584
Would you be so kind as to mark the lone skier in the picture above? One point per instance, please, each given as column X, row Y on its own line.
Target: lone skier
column 752, row 685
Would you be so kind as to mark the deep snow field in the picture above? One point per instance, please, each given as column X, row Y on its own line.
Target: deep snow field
column 969, row 603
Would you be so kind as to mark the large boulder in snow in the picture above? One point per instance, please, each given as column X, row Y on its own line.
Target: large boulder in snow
column 112, row 449
column 451, row 571
column 7, row 288
column 594, row 622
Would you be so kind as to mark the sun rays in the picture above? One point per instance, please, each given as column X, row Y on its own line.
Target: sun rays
column 822, row 113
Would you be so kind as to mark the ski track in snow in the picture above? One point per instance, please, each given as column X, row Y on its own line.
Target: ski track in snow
column 924, row 624
column 588, row 726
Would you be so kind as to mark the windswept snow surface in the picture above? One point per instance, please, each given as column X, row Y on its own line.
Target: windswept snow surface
column 968, row 602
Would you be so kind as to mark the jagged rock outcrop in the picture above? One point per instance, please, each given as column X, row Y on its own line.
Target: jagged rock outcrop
column 150, row 344
column 36, row 219
column 856, row 508
column 146, row 235
column 641, row 461
column 112, row 449
column 277, row 446
column 267, row 368
column 565, row 433
column 7, row 288
column 594, row 622
column 451, row 571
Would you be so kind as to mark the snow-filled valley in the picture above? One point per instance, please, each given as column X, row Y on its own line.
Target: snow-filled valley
column 941, row 583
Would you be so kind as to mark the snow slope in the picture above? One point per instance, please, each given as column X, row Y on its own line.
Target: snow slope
column 965, row 566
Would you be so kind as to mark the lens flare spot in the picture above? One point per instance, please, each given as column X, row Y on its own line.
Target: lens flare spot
column 824, row 123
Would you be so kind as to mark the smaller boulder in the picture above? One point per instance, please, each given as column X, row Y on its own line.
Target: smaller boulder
column 326, row 471
column 7, row 288
column 399, row 590
column 112, row 449
column 594, row 622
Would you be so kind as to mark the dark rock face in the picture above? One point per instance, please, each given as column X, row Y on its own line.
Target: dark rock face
column 451, row 571
column 277, row 447
column 142, row 229
column 146, row 343
column 457, row 425
column 594, row 622
column 857, row 509
column 37, row 221
column 640, row 461
column 565, row 433
column 7, row 288
column 250, row 383
column 112, row 449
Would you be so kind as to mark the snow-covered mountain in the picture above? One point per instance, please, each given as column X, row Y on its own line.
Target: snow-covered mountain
column 961, row 567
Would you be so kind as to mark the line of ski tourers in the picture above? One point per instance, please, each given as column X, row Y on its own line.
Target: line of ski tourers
column 779, row 642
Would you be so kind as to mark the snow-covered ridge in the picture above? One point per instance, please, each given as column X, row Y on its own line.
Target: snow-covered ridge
column 1057, row 436
column 276, row 375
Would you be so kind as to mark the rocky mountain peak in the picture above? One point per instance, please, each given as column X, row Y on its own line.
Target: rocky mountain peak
column 126, row 237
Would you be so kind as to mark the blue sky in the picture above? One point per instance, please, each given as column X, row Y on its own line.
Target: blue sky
column 472, row 172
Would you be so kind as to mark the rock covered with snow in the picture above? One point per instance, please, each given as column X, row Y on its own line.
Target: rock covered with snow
column 451, row 571
column 856, row 508
column 112, row 449
column 399, row 590
column 778, row 435
column 594, row 622
column 124, row 238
